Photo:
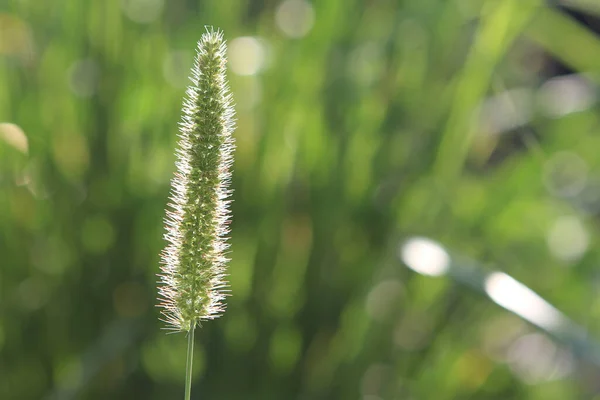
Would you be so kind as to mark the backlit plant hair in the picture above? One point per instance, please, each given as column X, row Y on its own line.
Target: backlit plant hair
column 192, row 280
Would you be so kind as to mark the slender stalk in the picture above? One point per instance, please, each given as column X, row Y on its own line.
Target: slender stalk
column 189, row 363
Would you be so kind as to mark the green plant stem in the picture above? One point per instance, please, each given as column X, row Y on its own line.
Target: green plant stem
column 189, row 362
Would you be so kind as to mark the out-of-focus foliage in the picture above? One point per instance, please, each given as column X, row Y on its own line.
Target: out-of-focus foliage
column 360, row 123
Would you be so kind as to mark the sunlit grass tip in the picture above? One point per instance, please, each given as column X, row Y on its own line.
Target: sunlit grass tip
column 192, row 284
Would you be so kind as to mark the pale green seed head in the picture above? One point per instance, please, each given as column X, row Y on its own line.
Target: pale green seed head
column 193, row 285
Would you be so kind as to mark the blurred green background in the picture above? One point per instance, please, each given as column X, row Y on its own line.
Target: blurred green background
column 360, row 125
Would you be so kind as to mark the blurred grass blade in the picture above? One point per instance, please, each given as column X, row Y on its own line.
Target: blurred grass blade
column 428, row 257
column 566, row 39
column 500, row 24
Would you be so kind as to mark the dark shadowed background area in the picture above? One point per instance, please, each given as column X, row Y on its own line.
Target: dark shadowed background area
column 409, row 174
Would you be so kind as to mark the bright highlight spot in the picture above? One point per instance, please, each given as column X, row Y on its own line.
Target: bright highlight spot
column 246, row 55
column 518, row 298
column 425, row 256
column 565, row 95
column 295, row 18
column 16, row 38
column 83, row 77
column 568, row 239
column 507, row 111
column 14, row 136
column 142, row 11
column 534, row 358
column 365, row 64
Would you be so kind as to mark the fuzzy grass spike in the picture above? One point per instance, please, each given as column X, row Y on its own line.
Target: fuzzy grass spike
column 192, row 280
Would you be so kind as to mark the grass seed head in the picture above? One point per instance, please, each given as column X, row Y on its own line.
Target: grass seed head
column 192, row 279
